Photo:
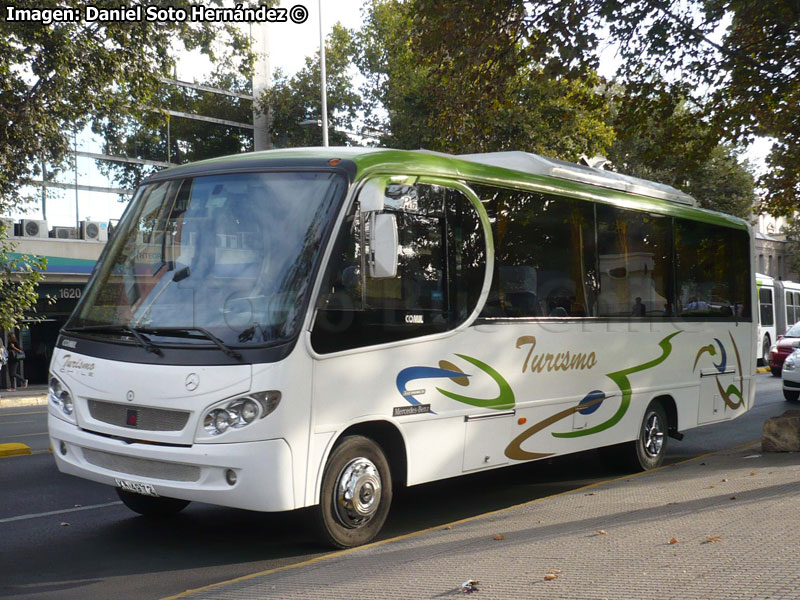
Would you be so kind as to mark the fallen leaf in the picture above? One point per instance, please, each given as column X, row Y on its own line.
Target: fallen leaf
column 672, row 503
column 601, row 532
column 713, row 539
column 733, row 497
column 752, row 474
column 589, row 494
column 447, row 527
column 554, row 571
column 724, row 480
column 550, row 577
column 499, row 537
column 469, row 586
column 702, row 464
column 64, row 524
column 711, row 486
column 673, row 541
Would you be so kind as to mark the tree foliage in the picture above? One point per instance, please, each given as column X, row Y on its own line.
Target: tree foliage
column 159, row 136
column 19, row 276
column 294, row 102
column 438, row 102
column 738, row 61
column 56, row 79
column 672, row 145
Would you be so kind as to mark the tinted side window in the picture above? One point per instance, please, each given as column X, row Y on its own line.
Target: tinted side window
column 544, row 249
column 765, row 304
column 634, row 254
column 441, row 266
column 713, row 270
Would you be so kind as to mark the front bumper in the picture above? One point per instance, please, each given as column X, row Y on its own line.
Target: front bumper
column 197, row 472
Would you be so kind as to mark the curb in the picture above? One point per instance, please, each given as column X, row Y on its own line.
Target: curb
column 758, row 370
column 14, row 450
column 9, row 402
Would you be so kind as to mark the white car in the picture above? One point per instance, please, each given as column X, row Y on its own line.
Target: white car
column 791, row 376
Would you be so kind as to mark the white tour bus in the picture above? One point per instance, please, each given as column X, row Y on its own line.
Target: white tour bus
column 316, row 327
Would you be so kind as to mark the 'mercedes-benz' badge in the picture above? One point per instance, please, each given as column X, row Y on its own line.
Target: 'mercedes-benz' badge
column 130, row 395
column 192, row 381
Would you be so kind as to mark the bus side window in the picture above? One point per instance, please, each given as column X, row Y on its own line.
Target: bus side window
column 441, row 262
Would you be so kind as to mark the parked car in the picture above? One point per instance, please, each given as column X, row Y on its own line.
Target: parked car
column 783, row 348
column 791, row 376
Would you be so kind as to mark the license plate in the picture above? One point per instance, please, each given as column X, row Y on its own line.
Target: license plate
column 145, row 489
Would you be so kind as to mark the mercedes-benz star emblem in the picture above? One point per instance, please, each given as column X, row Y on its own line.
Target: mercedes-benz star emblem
column 130, row 395
column 192, row 381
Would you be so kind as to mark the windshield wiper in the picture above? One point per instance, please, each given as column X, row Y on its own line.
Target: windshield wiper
column 207, row 334
column 143, row 341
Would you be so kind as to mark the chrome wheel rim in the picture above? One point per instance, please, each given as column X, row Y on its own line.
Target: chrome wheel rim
column 358, row 493
column 653, row 435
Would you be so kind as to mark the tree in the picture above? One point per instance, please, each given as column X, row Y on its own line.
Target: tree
column 435, row 101
column 294, row 103
column 55, row 79
column 672, row 145
column 738, row 61
column 158, row 136
column 19, row 276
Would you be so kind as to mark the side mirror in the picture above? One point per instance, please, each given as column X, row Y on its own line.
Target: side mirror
column 383, row 241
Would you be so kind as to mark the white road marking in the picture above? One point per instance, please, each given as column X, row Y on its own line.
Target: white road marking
column 59, row 512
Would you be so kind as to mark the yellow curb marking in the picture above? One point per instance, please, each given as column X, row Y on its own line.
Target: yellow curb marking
column 14, row 450
column 448, row 525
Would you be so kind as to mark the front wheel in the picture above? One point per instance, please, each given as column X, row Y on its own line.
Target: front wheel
column 776, row 371
column 356, row 493
column 790, row 395
column 151, row 506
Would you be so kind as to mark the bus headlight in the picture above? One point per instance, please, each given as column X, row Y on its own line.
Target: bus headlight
column 240, row 412
column 60, row 396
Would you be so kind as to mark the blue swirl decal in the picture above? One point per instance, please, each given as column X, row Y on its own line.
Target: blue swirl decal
column 412, row 373
column 724, row 362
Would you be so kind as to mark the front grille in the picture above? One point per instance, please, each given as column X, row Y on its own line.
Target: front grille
column 147, row 419
column 142, row 467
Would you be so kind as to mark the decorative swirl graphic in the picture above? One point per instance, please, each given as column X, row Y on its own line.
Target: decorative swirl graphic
column 590, row 403
column 503, row 401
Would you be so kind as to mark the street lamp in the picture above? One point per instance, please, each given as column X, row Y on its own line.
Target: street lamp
column 323, row 84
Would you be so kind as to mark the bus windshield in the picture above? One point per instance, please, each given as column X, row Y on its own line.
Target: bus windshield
column 229, row 256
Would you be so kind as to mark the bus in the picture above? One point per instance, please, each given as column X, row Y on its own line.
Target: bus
column 316, row 328
column 766, row 331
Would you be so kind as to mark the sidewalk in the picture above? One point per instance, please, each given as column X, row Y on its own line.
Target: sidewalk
column 723, row 526
column 30, row 396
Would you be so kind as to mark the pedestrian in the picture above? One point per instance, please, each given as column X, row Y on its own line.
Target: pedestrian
column 15, row 357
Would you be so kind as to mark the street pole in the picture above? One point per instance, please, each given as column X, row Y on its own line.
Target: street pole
column 323, row 84
column 75, row 155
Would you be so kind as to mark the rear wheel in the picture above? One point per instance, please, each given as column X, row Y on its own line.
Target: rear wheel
column 356, row 493
column 790, row 395
column 151, row 506
column 765, row 346
column 648, row 450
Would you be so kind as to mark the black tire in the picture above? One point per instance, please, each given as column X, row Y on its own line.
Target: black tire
column 359, row 463
column 765, row 346
column 648, row 450
column 791, row 396
column 776, row 371
column 151, row 506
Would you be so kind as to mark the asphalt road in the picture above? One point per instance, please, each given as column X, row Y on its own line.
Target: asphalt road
column 63, row 537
